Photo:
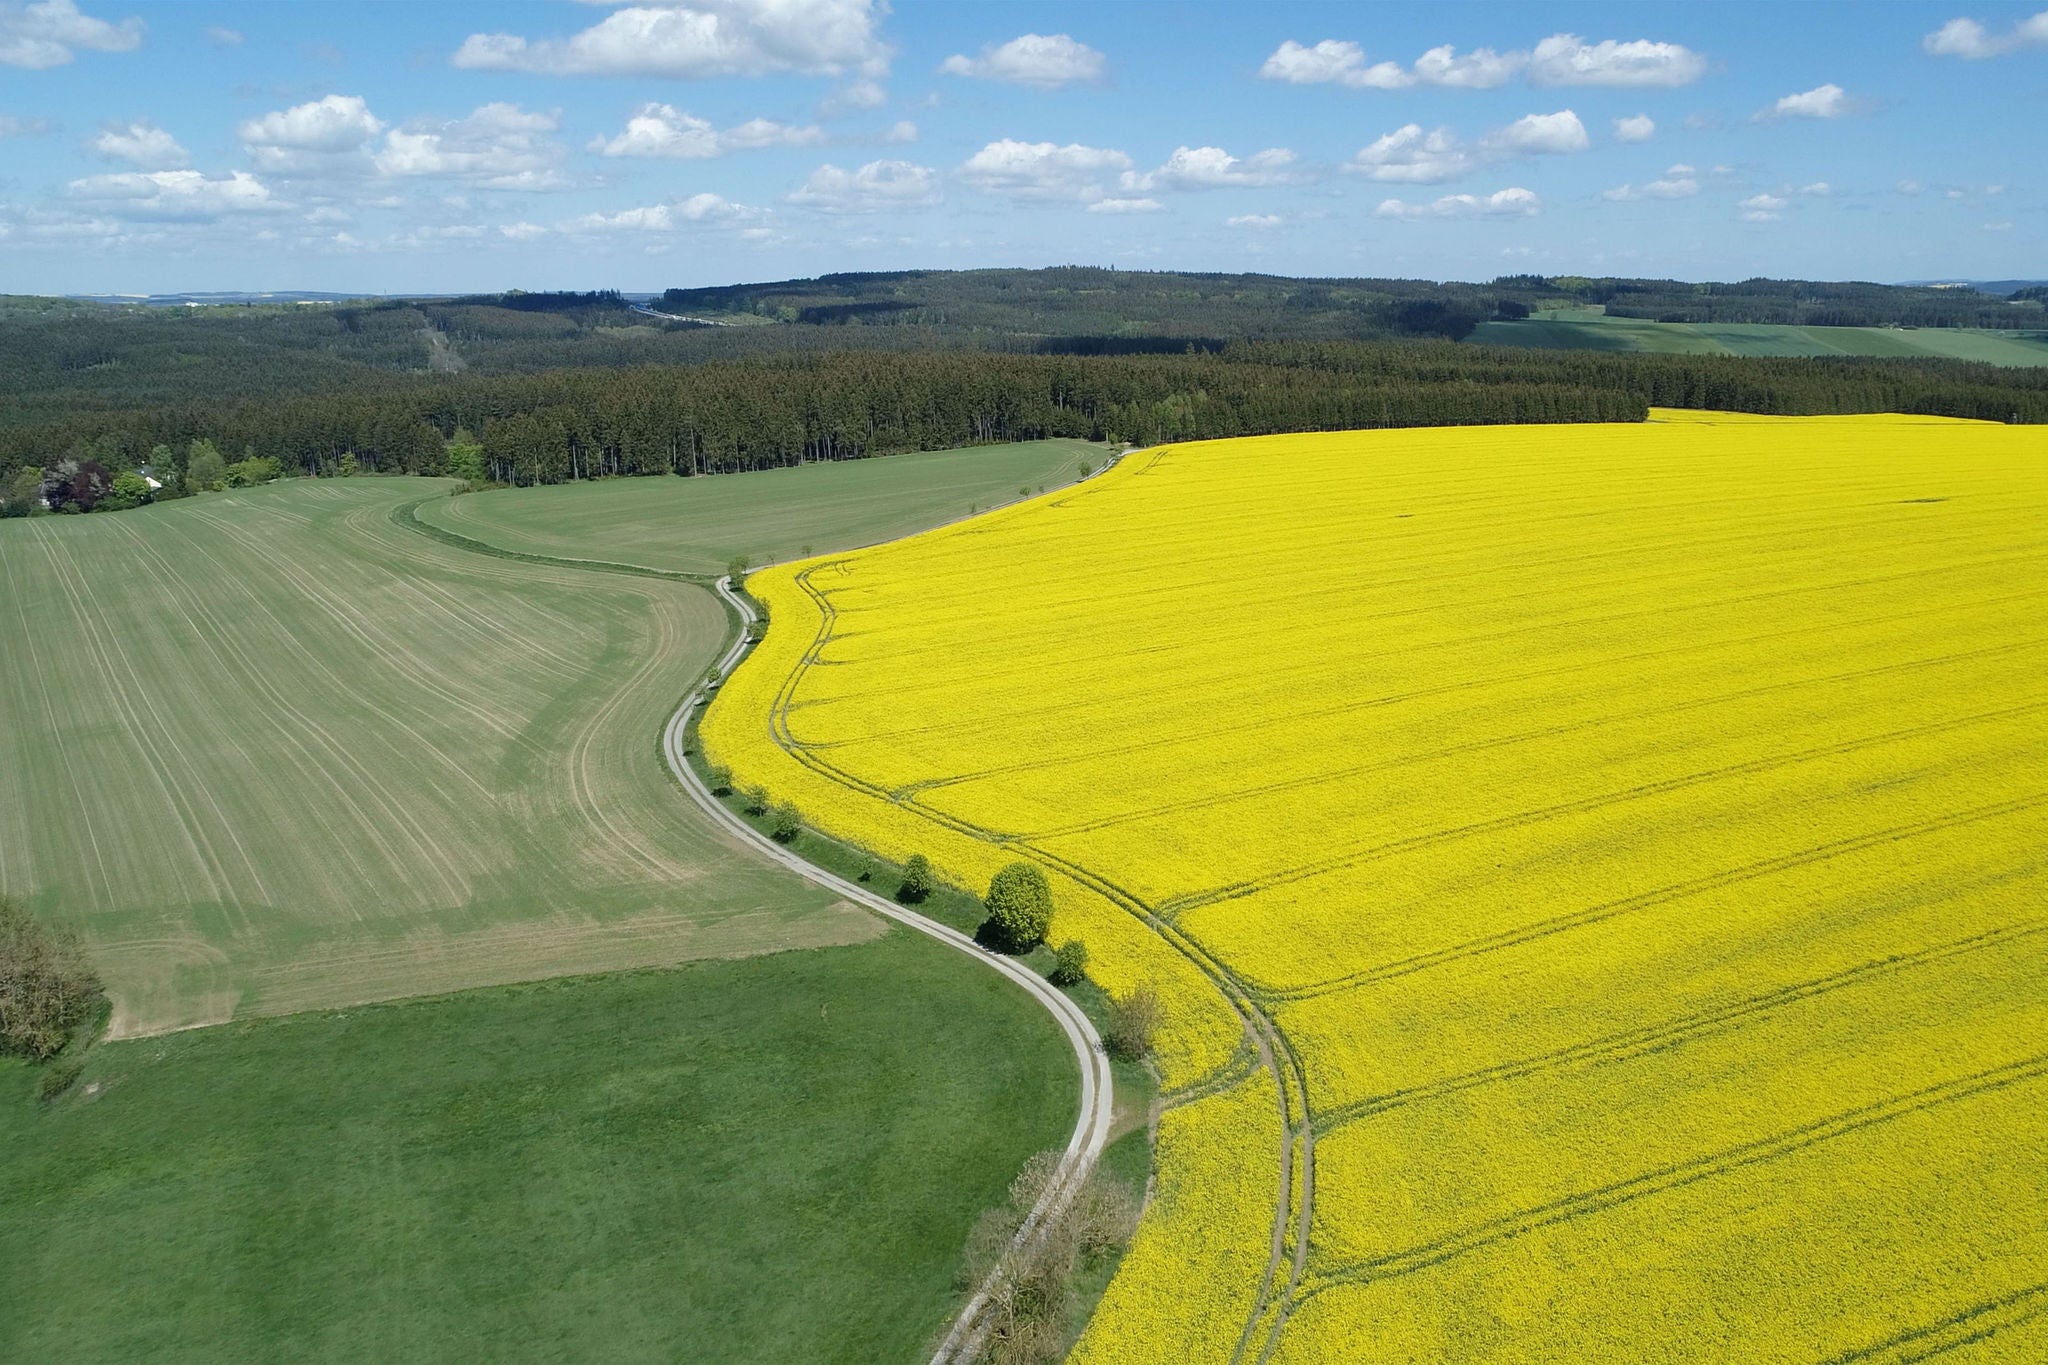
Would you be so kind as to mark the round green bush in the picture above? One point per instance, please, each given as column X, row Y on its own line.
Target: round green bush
column 1070, row 963
column 1020, row 906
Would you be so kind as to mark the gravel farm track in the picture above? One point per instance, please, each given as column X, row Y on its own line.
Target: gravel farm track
column 1091, row 1127
column 1092, row 1124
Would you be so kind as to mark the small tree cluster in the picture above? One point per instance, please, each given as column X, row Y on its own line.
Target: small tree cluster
column 917, row 880
column 736, row 570
column 466, row 457
column 205, row 468
column 1069, row 964
column 757, row 800
column 719, row 778
column 1019, row 907
column 1134, row 1020
column 785, row 822
column 47, row 987
column 1030, row 1302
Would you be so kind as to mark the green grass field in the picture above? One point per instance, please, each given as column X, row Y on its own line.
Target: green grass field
column 274, row 752
column 1584, row 329
column 271, row 751
column 698, row 525
column 774, row 1159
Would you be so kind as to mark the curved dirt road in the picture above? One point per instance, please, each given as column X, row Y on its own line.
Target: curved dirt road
column 1091, row 1128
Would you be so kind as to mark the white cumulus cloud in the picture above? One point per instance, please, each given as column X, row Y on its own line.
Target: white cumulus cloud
column 1043, row 170
column 1543, row 134
column 1410, row 156
column 1635, row 128
column 1969, row 39
column 1126, row 206
column 1561, row 59
column 499, row 146
column 662, row 130
column 49, row 33
column 1514, row 202
column 174, row 196
column 310, row 138
column 1258, row 221
column 223, row 37
column 1336, row 62
column 143, row 145
column 1567, row 59
column 1762, row 208
column 701, row 38
column 697, row 210
column 1046, row 61
column 877, row 186
column 1677, row 183
column 1212, row 168
column 1823, row 101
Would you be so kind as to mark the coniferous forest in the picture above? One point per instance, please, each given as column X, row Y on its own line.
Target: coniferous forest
column 543, row 388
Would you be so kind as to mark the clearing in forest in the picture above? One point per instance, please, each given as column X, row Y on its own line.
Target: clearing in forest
column 272, row 751
column 1595, row 874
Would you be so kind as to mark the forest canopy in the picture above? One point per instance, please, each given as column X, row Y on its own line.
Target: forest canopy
column 542, row 387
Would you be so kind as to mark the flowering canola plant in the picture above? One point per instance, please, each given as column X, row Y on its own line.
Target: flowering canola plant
column 1595, row 875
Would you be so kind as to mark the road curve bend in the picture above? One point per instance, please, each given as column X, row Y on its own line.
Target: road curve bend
column 1091, row 1128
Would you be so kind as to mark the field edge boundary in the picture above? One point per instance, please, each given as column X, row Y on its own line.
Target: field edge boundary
column 1091, row 1125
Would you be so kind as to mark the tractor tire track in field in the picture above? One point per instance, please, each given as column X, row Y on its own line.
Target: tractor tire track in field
column 1677, row 1175
column 1978, row 1322
column 1293, row 1213
column 1358, row 855
column 1678, row 1030
column 1525, row 933
column 1091, row 1126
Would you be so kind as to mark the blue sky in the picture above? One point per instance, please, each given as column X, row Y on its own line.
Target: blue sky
column 395, row 147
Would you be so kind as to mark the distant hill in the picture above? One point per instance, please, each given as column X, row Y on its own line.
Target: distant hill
column 1072, row 306
column 2007, row 288
column 1586, row 330
column 225, row 297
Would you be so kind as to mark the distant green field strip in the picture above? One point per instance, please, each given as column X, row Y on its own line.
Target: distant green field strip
column 775, row 1159
column 272, row 751
column 407, row 514
column 694, row 526
column 1585, row 330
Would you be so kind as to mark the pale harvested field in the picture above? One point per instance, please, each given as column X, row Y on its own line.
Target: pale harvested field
column 272, row 752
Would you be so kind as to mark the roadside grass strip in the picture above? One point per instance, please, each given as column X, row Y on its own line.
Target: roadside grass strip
column 1594, row 874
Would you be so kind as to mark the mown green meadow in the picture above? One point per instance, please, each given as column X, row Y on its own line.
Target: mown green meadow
column 771, row 1159
column 698, row 525
column 1586, row 329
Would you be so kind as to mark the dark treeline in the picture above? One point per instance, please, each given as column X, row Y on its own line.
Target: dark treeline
column 783, row 409
column 1808, row 303
column 1086, row 301
column 59, row 357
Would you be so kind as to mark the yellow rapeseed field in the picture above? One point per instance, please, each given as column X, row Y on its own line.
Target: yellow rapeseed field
column 1598, row 876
